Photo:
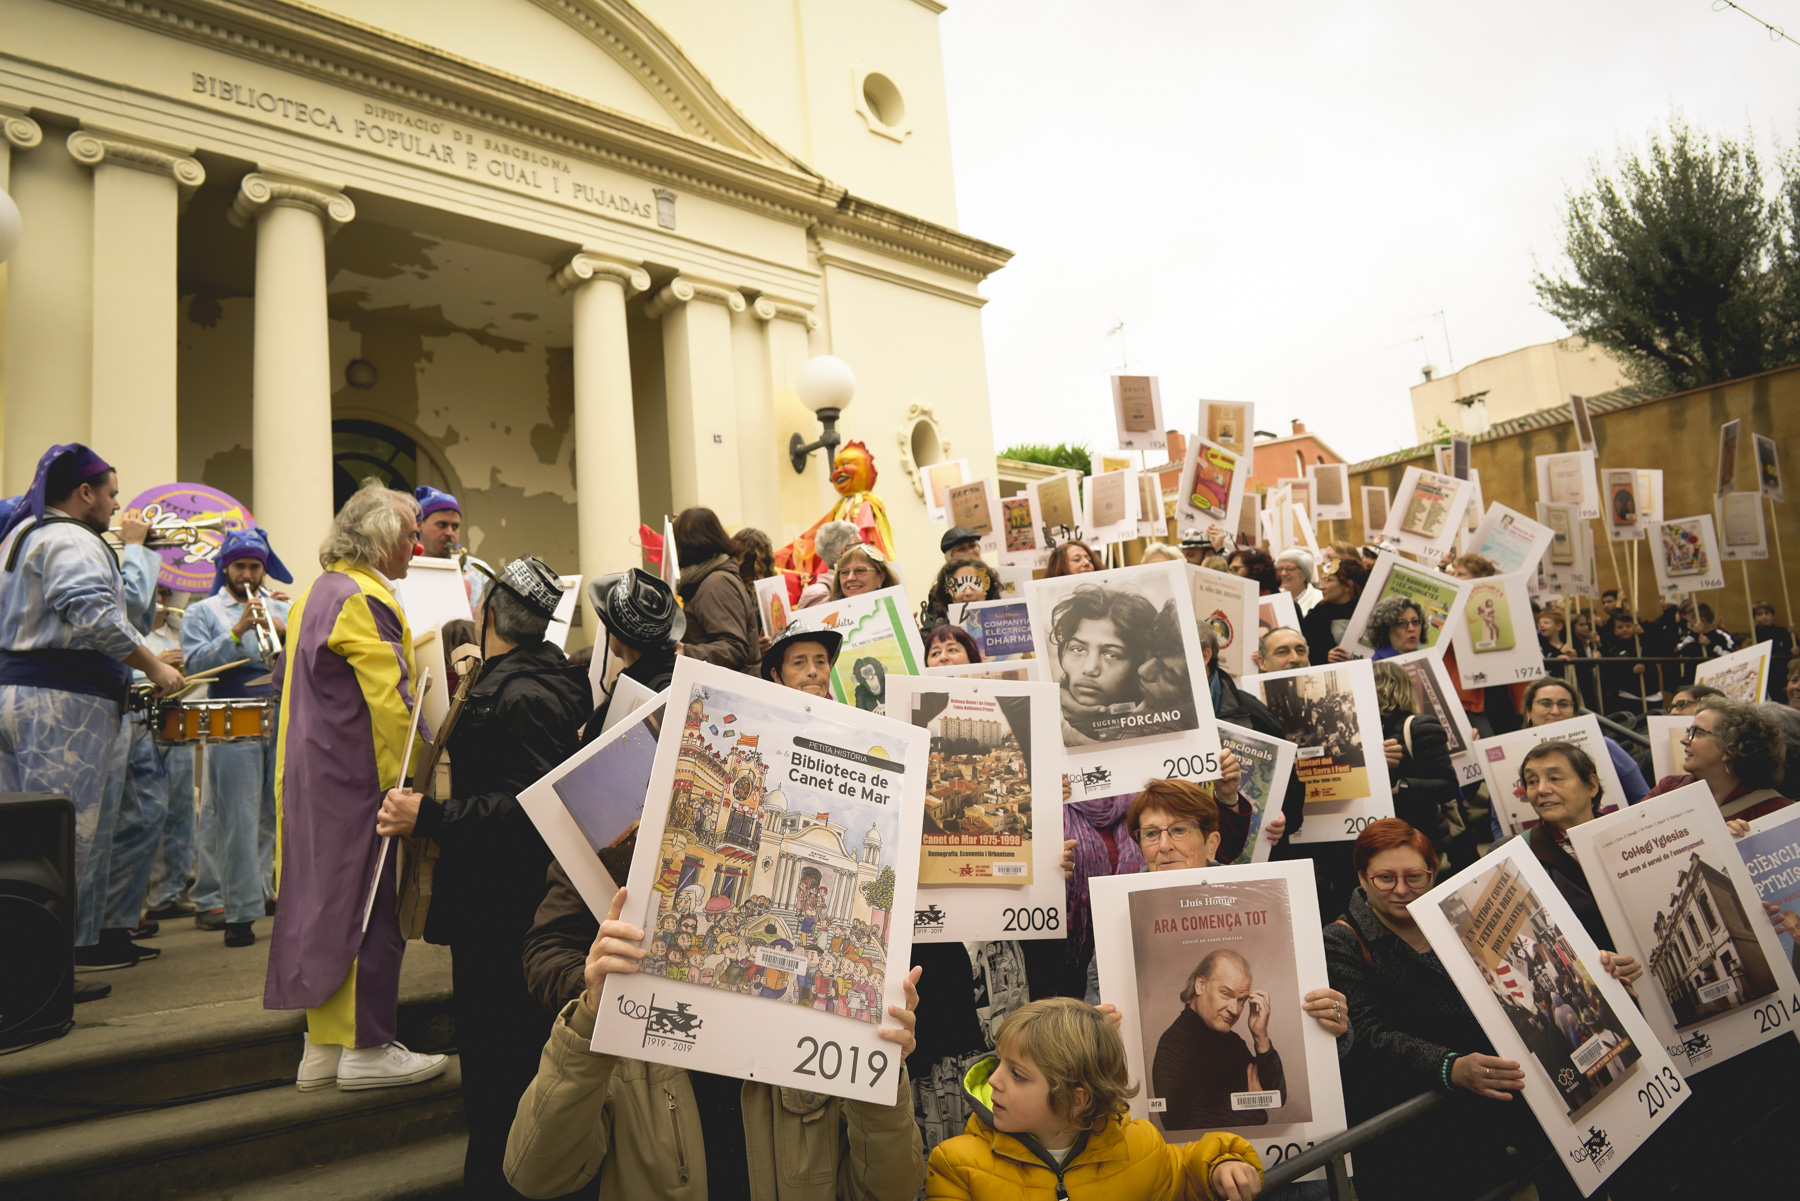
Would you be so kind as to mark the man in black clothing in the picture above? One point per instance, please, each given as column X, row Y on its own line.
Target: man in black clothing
column 1767, row 631
column 1201, row 1060
column 1620, row 682
column 643, row 623
column 520, row 720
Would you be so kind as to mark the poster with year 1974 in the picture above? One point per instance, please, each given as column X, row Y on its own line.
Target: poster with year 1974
column 774, row 865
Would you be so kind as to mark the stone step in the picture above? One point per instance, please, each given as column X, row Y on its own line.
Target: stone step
column 430, row 1170
column 207, row 1147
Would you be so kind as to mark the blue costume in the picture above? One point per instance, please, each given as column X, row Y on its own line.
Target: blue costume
column 64, row 637
column 137, row 791
column 433, row 500
column 155, row 823
column 237, row 825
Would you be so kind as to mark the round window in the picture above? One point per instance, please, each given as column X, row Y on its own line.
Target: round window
column 884, row 100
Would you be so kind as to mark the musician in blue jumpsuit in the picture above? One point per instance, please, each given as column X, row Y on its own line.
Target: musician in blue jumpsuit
column 66, row 653
column 237, row 820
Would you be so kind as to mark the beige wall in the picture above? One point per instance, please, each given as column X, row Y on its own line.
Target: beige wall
column 1518, row 382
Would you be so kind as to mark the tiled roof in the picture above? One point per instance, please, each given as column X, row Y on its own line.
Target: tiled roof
column 1606, row 402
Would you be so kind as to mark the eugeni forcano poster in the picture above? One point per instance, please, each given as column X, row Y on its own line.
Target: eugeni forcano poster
column 775, row 864
column 1596, row 1077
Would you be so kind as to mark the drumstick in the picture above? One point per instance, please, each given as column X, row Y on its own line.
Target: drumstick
column 387, row 840
column 190, row 681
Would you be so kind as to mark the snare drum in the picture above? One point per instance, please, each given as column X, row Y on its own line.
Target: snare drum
column 216, row 721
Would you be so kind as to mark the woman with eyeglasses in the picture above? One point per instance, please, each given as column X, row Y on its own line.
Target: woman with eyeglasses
column 1739, row 754
column 1396, row 627
column 1414, row 1032
column 861, row 569
column 1550, row 700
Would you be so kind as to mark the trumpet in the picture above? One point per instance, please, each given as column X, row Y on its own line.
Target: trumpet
column 167, row 531
column 266, row 640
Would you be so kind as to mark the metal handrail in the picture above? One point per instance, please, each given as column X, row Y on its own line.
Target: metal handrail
column 1619, row 731
column 1331, row 1152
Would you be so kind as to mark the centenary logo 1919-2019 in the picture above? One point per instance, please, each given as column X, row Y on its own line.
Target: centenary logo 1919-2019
column 676, row 1029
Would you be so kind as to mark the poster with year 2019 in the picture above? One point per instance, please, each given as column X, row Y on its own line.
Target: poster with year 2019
column 775, row 864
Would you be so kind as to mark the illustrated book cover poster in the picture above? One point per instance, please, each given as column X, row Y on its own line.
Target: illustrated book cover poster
column 1001, row 628
column 1563, row 521
column 777, row 853
column 1675, row 890
column 1207, row 967
column 1434, row 696
column 1123, row 649
column 1437, row 597
column 880, row 639
column 1584, row 426
column 1684, row 555
column 1650, row 493
column 1771, row 854
column 1495, row 640
column 1211, row 487
column 1022, row 543
column 1570, row 479
column 1741, row 527
column 1490, row 618
column 1503, row 755
column 1267, row 765
column 772, row 604
column 1330, row 491
column 1426, row 514
column 1058, row 506
column 1227, row 604
column 1728, row 455
column 971, row 504
column 1109, row 506
column 939, row 479
column 1596, row 1078
column 1153, row 515
column 1742, row 675
column 1231, row 424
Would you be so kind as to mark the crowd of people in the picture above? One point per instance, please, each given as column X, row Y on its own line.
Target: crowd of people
column 299, row 821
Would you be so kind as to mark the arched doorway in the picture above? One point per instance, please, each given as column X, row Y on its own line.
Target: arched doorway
column 367, row 445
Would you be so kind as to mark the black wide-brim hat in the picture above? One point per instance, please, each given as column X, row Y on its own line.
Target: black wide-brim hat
column 800, row 630
column 638, row 609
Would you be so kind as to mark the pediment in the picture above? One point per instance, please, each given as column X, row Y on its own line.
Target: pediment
column 604, row 52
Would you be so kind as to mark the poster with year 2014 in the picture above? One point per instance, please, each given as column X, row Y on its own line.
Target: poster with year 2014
column 990, row 864
column 775, row 864
column 1675, row 893
column 1178, row 950
column 1597, row 1080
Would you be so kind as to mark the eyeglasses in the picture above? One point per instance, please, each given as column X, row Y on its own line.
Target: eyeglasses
column 1409, row 623
column 1694, row 732
column 1178, row 833
column 856, row 573
column 1386, row 881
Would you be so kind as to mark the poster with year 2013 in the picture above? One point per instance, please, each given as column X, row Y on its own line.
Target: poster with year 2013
column 775, row 862
column 1597, row 1080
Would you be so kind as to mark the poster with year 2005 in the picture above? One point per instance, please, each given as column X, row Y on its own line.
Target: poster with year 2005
column 1331, row 715
column 1123, row 650
column 1675, row 893
column 1190, row 956
column 990, row 863
column 775, row 862
column 1596, row 1078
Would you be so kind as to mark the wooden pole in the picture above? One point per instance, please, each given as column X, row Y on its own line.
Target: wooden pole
column 1749, row 605
column 1787, row 601
column 1612, row 553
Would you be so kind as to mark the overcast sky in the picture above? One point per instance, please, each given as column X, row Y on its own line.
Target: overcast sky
column 1275, row 198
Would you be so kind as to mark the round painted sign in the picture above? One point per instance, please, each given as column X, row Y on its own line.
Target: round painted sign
column 190, row 568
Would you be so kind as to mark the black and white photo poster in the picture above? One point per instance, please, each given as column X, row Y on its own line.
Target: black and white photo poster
column 1208, row 967
column 1122, row 648
column 1331, row 715
column 1675, row 893
column 1596, row 1077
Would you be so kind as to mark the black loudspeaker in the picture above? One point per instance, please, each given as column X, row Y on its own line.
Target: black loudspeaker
column 37, row 915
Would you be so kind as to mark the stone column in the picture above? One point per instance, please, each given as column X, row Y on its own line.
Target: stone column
column 139, row 187
column 701, row 392
column 291, row 372
column 49, row 303
column 787, row 332
column 759, row 446
column 606, row 491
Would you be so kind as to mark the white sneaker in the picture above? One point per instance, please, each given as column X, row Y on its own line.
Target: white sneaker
column 386, row 1066
column 318, row 1065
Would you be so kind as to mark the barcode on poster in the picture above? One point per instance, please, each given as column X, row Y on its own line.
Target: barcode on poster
column 1011, row 869
column 778, row 961
column 1265, row 1100
column 1585, row 1056
column 1712, row 992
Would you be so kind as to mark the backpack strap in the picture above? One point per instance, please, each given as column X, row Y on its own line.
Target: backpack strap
column 1361, row 945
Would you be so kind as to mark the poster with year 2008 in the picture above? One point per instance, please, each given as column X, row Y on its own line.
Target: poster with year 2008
column 777, row 857
column 990, row 865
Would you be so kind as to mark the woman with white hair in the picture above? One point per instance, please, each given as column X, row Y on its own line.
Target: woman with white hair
column 1294, row 569
column 832, row 540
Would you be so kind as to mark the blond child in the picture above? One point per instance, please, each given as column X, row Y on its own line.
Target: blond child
column 1050, row 1122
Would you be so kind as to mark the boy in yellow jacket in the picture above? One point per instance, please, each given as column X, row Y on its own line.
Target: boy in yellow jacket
column 1049, row 1122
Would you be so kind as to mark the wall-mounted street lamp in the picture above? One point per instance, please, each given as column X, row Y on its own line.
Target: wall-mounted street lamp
column 826, row 385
